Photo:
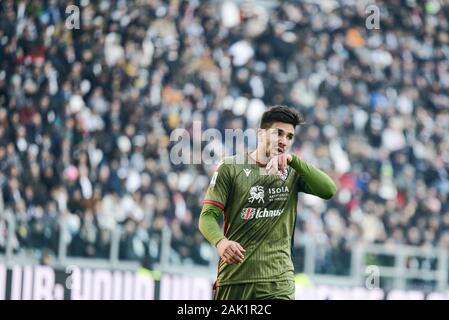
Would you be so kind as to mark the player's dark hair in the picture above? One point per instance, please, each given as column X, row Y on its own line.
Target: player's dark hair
column 280, row 113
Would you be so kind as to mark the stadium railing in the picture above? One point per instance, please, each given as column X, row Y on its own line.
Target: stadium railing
column 389, row 266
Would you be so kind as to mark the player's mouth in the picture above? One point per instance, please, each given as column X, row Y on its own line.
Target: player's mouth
column 280, row 150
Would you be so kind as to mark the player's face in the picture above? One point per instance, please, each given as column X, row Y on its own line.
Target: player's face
column 278, row 138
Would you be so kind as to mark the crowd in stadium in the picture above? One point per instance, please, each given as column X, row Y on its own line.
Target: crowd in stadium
column 86, row 116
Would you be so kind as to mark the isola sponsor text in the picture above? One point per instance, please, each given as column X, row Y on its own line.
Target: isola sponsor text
column 283, row 189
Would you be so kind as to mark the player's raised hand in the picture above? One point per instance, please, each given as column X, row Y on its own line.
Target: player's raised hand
column 283, row 160
column 230, row 251
column 273, row 166
column 278, row 163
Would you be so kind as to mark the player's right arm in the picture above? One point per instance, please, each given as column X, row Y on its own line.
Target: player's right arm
column 213, row 205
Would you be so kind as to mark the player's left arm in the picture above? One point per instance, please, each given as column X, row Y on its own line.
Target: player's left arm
column 316, row 181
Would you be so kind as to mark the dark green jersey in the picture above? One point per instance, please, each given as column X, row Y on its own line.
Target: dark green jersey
column 259, row 213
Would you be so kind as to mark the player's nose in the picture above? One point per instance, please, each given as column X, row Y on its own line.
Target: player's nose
column 282, row 142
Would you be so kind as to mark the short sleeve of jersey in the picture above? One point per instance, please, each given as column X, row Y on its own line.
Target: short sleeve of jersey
column 219, row 187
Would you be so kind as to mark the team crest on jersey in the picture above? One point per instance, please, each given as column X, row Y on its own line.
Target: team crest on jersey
column 284, row 175
column 256, row 193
